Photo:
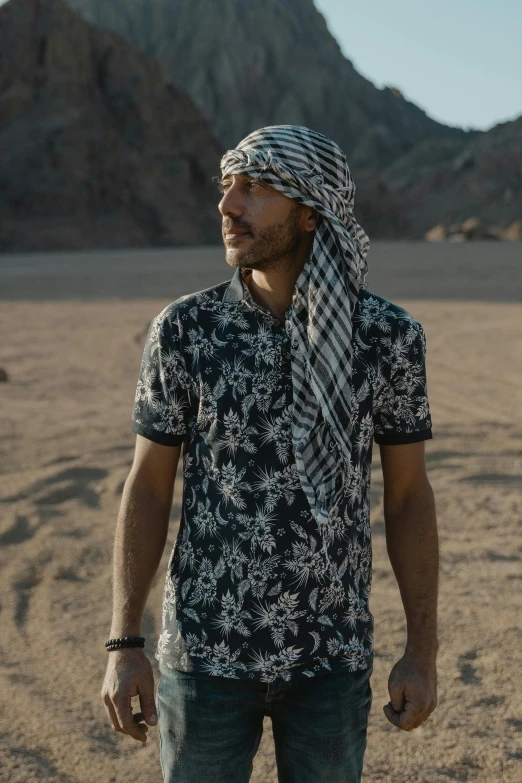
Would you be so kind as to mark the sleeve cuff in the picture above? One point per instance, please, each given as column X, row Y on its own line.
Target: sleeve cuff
column 398, row 438
column 162, row 438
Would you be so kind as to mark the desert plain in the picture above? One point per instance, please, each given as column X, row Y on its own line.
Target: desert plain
column 72, row 331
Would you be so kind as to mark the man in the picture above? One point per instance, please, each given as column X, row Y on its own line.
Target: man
column 276, row 383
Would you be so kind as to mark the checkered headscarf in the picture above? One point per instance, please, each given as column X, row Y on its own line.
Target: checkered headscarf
column 312, row 169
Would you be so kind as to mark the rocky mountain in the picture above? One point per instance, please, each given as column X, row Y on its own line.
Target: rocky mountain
column 249, row 64
column 100, row 145
column 96, row 150
column 472, row 189
column 252, row 63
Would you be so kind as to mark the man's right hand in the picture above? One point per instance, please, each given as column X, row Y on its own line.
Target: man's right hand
column 129, row 673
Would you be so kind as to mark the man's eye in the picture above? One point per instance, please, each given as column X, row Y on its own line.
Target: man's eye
column 223, row 186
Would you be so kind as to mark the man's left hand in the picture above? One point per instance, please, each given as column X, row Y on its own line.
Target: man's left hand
column 412, row 686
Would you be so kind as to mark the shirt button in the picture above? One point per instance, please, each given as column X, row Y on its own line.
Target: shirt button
column 294, row 344
column 331, row 445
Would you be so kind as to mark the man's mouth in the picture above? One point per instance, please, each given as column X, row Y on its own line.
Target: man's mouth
column 234, row 233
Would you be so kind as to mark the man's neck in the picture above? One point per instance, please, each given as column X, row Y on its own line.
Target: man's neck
column 273, row 290
column 264, row 297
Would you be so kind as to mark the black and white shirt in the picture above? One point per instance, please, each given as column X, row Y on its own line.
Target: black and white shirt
column 249, row 593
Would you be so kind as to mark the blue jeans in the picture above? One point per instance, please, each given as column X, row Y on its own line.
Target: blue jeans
column 210, row 727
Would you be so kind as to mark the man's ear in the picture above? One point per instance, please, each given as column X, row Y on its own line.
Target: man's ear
column 311, row 219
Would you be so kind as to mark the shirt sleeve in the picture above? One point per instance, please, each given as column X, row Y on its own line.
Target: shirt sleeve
column 401, row 407
column 164, row 393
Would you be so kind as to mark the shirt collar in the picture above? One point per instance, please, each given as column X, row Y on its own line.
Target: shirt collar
column 237, row 291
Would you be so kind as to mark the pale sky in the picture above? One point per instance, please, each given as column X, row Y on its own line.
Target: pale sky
column 459, row 60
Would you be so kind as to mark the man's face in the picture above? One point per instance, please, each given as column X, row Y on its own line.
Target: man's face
column 262, row 229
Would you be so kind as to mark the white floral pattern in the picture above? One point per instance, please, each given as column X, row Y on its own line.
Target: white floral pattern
column 250, row 592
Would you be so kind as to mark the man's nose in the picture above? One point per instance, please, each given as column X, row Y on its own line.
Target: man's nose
column 232, row 202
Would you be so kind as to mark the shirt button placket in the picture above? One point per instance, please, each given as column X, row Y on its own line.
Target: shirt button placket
column 288, row 326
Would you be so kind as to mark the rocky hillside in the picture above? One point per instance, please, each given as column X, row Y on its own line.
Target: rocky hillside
column 96, row 150
column 249, row 64
column 472, row 189
column 99, row 149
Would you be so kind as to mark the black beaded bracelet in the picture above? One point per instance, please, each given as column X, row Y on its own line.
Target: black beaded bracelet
column 126, row 641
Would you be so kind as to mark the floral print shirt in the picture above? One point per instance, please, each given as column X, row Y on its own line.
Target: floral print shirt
column 251, row 592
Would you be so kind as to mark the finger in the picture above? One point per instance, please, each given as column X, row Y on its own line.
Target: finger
column 139, row 717
column 392, row 716
column 423, row 717
column 412, row 716
column 147, row 704
column 397, row 696
column 113, row 718
column 122, row 705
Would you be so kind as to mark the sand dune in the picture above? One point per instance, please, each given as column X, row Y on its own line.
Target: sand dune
column 72, row 349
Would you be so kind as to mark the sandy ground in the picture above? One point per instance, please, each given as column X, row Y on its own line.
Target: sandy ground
column 72, row 350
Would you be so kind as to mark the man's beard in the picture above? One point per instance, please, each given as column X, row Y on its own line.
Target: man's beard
column 273, row 247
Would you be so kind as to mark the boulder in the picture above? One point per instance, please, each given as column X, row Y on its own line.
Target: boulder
column 513, row 232
column 436, row 234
